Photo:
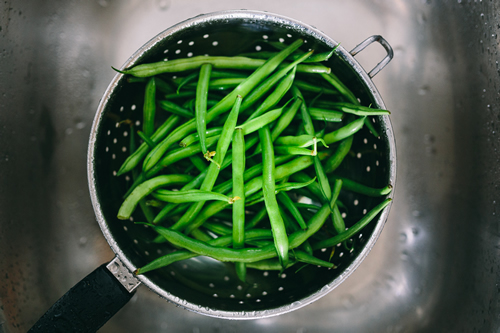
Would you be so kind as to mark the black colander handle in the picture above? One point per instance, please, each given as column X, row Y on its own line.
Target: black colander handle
column 372, row 39
column 88, row 305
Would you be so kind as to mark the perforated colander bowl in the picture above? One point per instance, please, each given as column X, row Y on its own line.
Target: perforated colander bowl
column 202, row 284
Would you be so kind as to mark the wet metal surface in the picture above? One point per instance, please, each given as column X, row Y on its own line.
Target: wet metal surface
column 435, row 266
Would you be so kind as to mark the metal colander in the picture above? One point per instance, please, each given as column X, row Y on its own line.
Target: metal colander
column 202, row 284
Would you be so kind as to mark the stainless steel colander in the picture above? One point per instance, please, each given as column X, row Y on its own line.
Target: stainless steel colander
column 201, row 284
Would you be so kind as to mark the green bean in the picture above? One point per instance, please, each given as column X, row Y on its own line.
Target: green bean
column 175, row 109
column 184, row 255
column 201, row 104
column 146, row 139
column 222, row 83
column 357, row 227
column 224, row 105
column 338, row 220
column 272, row 264
column 214, row 168
column 246, row 254
column 250, row 173
column 186, row 64
column 322, row 179
column 190, row 196
column 194, row 137
column 259, row 122
column 313, row 187
column 317, row 57
column 275, row 96
column 299, row 141
column 149, row 108
column 202, row 236
column 307, row 206
column 143, row 149
column 344, row 131
column 147, row 187
column 179, row 154
column 356, row 187
column 284, row 187
column 340, row 86
column 185, row 80
column 306, row 247
column 256, row 219
column 180, row 95
column 314, row 88
column 326, row 115
column 358, row 110
column 304, row 112
column 306, row 258
column 164, row 213
column 162, row 86
column 283, row 121
column 198, row 162
column 292, row 150
column 290, row 224
column 266, row 85
column 290, row 206
column 238, row 188
column 220, row 62
column 218, row 228
column 268, row 188
column 334, row 161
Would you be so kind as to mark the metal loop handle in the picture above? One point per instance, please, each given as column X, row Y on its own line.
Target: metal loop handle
column 381, row 41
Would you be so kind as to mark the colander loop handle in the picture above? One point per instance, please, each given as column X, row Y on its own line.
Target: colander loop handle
column 87, row 306
column 379, row 39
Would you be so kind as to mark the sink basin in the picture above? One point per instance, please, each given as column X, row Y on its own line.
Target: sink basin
column 435, row 265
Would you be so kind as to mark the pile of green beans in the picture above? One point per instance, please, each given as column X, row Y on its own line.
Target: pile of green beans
column 238, row 155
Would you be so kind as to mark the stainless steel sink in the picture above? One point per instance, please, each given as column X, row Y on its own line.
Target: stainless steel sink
column 434, row 269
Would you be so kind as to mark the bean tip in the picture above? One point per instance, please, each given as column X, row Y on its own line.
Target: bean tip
column 119, row 71
column 137, row 271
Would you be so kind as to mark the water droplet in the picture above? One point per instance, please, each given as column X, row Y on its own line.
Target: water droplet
column 103, row 3
column 83, row 241
column 347, row 301
column 163, row 4
column 423, row 90
column 402, row 237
